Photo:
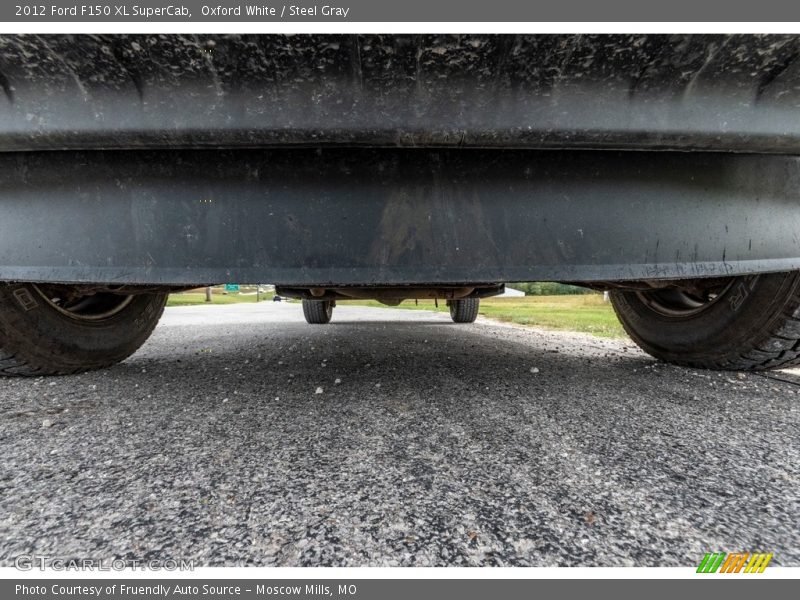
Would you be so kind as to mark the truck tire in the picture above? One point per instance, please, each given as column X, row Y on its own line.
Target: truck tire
column 464, row 311
column 51, row 330
column 750, row 323
column 318, row 312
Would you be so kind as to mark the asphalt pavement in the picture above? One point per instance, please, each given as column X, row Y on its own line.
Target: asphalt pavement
column 240, row 435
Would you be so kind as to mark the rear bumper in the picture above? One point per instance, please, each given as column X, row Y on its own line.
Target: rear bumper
column 713, row 93
column 379, row 217
column 426, row 158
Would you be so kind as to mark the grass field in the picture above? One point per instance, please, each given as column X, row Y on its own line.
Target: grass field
column 192, row 298
column 586, row 313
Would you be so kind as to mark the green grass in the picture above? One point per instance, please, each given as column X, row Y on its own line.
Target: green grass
column 193, row 298
column 586, row 313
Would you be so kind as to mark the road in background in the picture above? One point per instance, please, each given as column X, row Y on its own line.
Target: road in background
column 241, row 435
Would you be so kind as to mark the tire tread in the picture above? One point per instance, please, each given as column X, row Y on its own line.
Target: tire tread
column 465, row 310
column 774, row 346
column 18, row 355
column 316, row 312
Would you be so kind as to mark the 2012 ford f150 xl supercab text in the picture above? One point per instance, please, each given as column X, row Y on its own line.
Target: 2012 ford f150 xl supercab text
column 663, row 169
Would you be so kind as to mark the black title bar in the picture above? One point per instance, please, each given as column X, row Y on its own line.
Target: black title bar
column 301, row 11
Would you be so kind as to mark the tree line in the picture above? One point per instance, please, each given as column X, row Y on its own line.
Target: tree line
column 549, row 288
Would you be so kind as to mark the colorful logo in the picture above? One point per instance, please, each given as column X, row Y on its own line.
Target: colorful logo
column 735, row 562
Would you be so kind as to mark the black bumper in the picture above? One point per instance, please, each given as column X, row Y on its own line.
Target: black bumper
column 397, row 160
column 719, row 93
column 394, row 217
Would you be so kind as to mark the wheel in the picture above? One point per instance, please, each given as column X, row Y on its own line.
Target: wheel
column 60, row 329
column 318, row 312
column 737, row 323
column 464, row 311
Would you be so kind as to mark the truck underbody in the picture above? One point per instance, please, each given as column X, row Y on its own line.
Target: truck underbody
column 398, row 167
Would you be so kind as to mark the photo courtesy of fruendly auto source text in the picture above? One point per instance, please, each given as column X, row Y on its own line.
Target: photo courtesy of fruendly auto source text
column 365, row 299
